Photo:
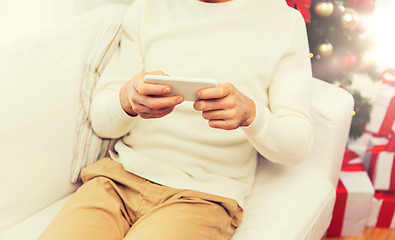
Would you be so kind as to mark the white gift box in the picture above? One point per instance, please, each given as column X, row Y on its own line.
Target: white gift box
column 382, row 114
column 372, row 142
column 361, row 144
column 382, row 210
column 353, row 201
column 382, row 171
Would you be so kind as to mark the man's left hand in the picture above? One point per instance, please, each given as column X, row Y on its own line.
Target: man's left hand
column 225, row 107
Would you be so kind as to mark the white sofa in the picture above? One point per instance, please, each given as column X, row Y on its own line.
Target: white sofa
column 39, row 98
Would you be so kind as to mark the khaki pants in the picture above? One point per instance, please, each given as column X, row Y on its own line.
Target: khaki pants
column 115, row 204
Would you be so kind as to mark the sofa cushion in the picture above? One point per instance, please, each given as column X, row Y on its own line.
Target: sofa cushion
column 88, row 147
column 279, row 196
column 39, row 98
column 32, row 227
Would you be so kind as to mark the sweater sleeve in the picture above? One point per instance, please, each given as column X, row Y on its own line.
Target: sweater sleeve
column 108, row 118
column 282, row 132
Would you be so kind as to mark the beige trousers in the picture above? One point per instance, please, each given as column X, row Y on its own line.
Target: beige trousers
column 115, row 204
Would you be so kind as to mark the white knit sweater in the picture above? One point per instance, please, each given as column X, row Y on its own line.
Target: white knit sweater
column 260, row 46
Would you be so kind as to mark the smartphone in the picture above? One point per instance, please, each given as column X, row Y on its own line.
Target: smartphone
column 185, row 86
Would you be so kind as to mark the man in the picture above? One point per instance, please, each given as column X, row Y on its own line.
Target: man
column 181, row 170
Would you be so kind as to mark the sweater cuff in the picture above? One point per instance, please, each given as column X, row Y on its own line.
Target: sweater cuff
column 259, row 123
column 118, row 111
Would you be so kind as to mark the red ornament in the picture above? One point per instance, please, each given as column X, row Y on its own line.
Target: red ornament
column 350, row 61
column 303, row 6
column 365, row 5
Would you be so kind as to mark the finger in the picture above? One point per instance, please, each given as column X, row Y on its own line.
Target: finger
column 139, row 108
column 214, row 104
column 220, row 114
column 224, row 124
column 150, row 88
column 156, row 73
column 151, row 115
column 160, row 112
column 160, row 102
column 155, row 102
column 221, row 91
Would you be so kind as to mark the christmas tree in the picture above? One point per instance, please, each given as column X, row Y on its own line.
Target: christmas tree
column 338, row 42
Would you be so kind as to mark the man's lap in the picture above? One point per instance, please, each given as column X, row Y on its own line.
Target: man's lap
column 113, row 202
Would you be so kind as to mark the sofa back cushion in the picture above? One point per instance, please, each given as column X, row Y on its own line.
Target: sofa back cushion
column 40, row 80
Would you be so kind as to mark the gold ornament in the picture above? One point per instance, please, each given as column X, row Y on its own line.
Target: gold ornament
column 324, row 8
column 325, row 49
column 350, row 19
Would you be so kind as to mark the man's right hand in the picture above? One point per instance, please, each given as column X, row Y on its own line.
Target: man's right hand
column 145, row 99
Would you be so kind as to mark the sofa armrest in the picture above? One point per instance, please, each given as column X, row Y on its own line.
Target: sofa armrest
column 39, row 100
column 332, row 114
column 296, row 202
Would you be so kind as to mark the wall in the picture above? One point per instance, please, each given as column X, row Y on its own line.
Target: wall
column 20, row 18
column 25, row 17
column 85, row 5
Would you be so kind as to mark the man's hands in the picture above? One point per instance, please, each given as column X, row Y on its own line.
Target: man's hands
column 225, row 107
column 144, row 99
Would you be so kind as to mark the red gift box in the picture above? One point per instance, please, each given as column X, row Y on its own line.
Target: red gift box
column 382, row 210
column 353, row 199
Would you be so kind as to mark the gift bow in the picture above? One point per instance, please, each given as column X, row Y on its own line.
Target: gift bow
column 347, row 166
column 388, row 77
column 303, row 7
column 389, row 147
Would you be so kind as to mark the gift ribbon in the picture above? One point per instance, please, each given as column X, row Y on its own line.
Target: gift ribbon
column 347, row 166
column 386, row 125
column 388, row 77
column 339, row 210
column 389, row 82
column 376, row 150
column 387, row 209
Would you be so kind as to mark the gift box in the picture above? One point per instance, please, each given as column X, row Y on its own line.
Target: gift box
column 354, row 196
column 382, row 166
column 382, row 115
column 361, row 144
column 374, row 142
column 382, row 210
